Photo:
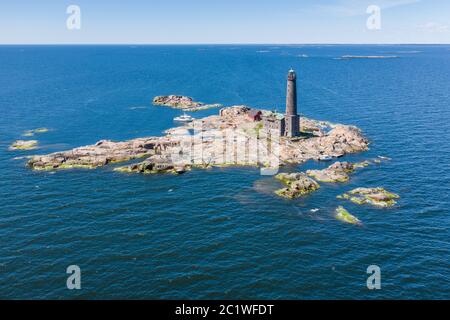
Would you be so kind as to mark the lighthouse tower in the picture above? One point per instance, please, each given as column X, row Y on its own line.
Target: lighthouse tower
column 292, row 119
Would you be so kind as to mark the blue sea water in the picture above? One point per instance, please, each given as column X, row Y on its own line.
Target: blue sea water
column 221, row 233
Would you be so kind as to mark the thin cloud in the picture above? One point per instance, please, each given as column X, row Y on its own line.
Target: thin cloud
column 434, row 27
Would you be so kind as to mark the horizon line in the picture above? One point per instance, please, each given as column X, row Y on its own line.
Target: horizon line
column 219, row 44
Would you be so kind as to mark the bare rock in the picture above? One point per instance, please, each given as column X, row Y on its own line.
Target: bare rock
column 337, row 172
column 99, row 154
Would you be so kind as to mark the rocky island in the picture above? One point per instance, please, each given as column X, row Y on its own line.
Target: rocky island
column 233, row 137
column 182, row 102
column 377, row 197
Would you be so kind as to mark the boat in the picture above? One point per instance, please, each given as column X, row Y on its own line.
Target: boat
column 184, row 118
column 325, row 158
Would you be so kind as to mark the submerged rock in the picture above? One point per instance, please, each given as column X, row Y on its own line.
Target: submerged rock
column 343, row 215
column 30, row 133
column 41, row 130
column 297, row 185
column 362, row 164
column 24, row 145
column 182, row 102
column 378, row 197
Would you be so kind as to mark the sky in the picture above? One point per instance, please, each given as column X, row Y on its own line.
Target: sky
column 224, row 22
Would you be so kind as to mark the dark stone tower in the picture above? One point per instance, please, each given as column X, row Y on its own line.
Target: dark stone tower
column 292, row 119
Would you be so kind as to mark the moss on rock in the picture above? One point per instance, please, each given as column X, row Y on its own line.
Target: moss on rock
column 30, row 133
column 343, row 215
column 149, row 167
column 362, row 164
column 297, row 185
column 378, row 197
column 24, row 145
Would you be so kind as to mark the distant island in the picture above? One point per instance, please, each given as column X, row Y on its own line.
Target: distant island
column 347, row 57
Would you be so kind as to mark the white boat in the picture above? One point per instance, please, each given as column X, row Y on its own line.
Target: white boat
column 184, row 118
column 325, row 158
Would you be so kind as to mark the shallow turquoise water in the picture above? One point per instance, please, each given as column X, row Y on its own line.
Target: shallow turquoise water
column 221, row 233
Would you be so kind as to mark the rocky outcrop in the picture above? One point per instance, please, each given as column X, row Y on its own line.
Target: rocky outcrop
column 182, row 102
column 335, row 142
column 343, row 215
column 377, row 197
column 154, row 164
column 337, row 172
column 341, row 140
column 102, row 153
column 297, row 185
column 24, row 145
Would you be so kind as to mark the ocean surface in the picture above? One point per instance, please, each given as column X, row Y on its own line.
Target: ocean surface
column 222, row 233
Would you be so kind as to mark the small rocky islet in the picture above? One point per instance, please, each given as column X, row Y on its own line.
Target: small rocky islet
column 297, row 185
column 378, row 197
column 182, row 102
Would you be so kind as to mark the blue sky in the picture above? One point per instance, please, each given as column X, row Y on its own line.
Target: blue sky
column 224, row 21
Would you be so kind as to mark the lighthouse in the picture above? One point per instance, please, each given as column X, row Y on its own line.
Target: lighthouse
column 291, row 118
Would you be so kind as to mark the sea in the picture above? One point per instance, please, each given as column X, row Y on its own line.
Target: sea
column 222, row 233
